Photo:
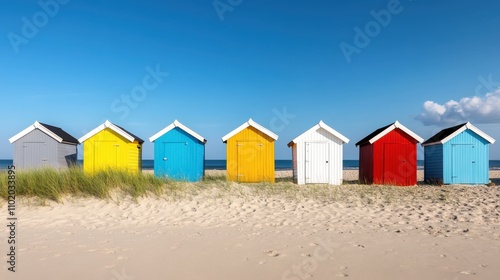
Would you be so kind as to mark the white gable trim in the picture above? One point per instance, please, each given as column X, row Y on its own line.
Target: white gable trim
column 391, row 128
column 324, row 126
column 106, row 124
column 253, row 124
column 32, row 127
column 476, row 130
column 173, row 125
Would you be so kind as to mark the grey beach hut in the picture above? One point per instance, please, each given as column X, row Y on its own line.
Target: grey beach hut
column 42, row 145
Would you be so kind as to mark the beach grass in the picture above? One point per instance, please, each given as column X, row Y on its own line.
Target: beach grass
column 53, row 185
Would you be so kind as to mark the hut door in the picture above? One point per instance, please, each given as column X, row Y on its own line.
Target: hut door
column 250, row 167
column 175, row 160
column 463, row 164
column 34, row 155
column 396, row 165
column 105, row 155
column 317, row 162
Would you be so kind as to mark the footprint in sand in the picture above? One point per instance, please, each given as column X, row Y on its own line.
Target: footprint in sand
column 273, row 253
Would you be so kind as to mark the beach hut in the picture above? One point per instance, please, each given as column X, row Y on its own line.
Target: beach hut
column 389, row 156
column 250, row 153
column 317, row 156
column 457, row 155
column 42, row 145
column 109, row 146
column 179, row 153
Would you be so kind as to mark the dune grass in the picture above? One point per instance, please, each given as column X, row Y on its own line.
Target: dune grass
column 350, row 192
column 52, row 184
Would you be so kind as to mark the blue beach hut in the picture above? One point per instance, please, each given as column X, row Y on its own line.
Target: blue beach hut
column 179, row 153
column 457, row 155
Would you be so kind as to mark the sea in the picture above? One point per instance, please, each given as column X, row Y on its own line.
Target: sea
column 280, row 164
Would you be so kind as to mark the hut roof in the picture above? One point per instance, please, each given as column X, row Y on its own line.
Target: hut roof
column 173, row 125
column 381, row 132
column 53, row 131
column 253, row 124
column 118, row 129
column 446, row 134
column 324, row 126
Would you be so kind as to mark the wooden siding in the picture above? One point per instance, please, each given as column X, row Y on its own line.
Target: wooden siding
column 433, row 164
column 366, row 164
column 38, row 150
column 66, row 155
column 395, row 159
column 391, row 160
column 250, row 156
column 295, row 147
column 107, row 149
column 466, row 164
column 322, row 153
column 134, row 156
column 184, row 156
column 316, row 162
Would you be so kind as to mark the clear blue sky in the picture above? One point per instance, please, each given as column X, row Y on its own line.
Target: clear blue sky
column 74, row 63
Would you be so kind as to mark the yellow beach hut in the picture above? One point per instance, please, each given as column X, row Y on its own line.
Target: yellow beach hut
column 110, row 146
column 250, row 153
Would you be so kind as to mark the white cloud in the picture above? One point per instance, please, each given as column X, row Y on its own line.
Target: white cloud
column 474, row 109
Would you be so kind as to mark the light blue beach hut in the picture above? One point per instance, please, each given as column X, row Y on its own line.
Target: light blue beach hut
column 179, row 153
column 457, row 155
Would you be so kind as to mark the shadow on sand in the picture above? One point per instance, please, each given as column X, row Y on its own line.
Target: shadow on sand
column 495, row 181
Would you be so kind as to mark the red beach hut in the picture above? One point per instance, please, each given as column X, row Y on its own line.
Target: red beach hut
column 388, row 156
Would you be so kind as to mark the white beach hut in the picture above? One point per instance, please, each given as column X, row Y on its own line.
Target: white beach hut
column 317, row 156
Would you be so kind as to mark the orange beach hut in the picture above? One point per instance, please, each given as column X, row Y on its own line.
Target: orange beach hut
column 250, row 153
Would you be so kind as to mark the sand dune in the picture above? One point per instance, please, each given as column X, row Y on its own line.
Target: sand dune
column 236, row 231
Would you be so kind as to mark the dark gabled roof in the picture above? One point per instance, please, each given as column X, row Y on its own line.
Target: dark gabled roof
column 131, row 134
column 373, row 134
column 66, row 137
column 443, row 134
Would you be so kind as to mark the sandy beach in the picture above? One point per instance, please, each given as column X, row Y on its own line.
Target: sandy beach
column 239, row 231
